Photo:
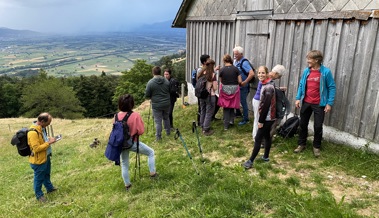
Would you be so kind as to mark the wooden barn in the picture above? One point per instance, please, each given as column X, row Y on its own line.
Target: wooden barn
column 282, row 32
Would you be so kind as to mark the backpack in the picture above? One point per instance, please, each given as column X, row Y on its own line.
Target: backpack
column 119, row 139
column 282, row 104
column 290, row 127
column 193, row 77
column 201, row 88
column 20, row 139
column 254, row 80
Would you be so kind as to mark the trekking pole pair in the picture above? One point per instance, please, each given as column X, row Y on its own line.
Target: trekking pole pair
column 179, row 135
column 194, row 129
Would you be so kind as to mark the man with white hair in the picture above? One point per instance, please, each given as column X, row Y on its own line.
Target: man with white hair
column 243, row 66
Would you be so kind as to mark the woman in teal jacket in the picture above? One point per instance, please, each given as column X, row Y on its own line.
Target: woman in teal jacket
column 316, row 93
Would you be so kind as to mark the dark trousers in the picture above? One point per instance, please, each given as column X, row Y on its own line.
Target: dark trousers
column 170, row 112
column 318, row 115
column 216, row 107
column 262, row 133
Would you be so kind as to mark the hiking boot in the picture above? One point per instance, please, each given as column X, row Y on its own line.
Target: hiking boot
column 248, row 164
column 208, row 132
column 127, row 187
column 52, row 190
column 316, row 152
column 265, row 159
column 299, row 149
column 42, row 199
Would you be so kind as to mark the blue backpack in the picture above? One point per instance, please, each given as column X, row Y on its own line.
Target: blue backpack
column 119, row 139
column 193, row 77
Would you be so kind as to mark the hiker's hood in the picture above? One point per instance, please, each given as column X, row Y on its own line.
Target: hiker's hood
column 159, row 80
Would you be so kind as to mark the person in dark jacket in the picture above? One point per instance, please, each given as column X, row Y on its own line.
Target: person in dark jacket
column 158, row 90
column 174, row 94
column 267, row 116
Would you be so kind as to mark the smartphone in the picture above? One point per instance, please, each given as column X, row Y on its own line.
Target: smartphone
column 58, row 137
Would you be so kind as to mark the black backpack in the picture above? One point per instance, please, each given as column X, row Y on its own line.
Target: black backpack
column 201, row 88
column 282, row 104
column 290, row 127
column 20, row 140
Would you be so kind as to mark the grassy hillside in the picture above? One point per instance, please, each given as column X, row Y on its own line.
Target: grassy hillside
column 341, row 183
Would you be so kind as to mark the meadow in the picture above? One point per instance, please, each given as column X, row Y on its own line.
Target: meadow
column 343, row 182
column 112, row 53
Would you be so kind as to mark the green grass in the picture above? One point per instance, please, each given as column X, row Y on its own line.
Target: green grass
column 290, row 185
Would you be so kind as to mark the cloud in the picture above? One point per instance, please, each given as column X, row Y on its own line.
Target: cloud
column 84, row 15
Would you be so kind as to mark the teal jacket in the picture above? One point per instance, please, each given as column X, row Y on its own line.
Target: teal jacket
column 327, row 86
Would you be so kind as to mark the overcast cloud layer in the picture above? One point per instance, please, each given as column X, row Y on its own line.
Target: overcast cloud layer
column 75, row 16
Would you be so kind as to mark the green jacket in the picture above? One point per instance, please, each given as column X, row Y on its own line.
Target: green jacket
column 158, row 90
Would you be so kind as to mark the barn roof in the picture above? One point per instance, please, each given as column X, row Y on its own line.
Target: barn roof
column 180, row 19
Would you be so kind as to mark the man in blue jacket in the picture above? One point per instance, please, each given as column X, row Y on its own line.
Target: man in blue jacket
column 316, row 93
column 243, row 66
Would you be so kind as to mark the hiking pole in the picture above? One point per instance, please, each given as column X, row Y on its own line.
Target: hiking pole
column 148, row 120
column 178, row 135
column 137, row 162
column 194, row 129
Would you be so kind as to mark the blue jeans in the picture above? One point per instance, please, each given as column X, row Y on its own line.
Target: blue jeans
column 143, row 149
column 243, row 95
column 160, row 115
column 42, row 176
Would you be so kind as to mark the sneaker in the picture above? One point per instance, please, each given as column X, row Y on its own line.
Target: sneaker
column 127, row 187
column 208, row 133
column 243, row 123
column 265, row 159
column 52, row 190
column 42, row 199
column 158, row 138
column 225, row 129
column 299, row 149
column 154, row 176
column 316, row 152
column 248, row 164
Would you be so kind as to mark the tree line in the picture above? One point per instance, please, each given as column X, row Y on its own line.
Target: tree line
column 78, row 97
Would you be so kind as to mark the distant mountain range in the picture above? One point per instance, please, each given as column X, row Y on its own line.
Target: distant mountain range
column 161, row 27
column 11, row 33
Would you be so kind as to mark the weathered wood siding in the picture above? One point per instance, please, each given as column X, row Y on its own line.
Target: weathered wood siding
column 211, row 38
column 350, row 46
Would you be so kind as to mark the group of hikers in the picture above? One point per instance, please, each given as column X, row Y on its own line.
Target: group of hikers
column 228, row 87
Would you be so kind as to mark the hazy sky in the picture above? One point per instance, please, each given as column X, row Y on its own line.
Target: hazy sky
column 71, row 16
